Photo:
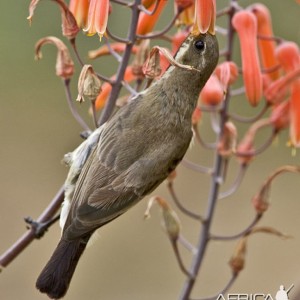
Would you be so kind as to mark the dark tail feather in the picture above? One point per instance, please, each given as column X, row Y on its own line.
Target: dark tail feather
column 55, row 278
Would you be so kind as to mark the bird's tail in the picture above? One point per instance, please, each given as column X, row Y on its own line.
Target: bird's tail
column 55, row 278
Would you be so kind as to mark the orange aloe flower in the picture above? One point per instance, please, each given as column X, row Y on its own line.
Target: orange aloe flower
column 97, row 17
column 104, row 50
column 266, row 47
column 106, row 88
column 245, row 24
column 212, row 93
column 295, row 114
column 227, row 72
column 289, row 58
column 80, row 9
column 146, row 22
column 205, row 15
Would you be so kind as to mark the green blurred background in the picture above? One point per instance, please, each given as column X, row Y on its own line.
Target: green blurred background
column 132, row 258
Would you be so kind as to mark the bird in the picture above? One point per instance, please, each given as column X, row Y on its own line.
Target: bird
column 127, row 157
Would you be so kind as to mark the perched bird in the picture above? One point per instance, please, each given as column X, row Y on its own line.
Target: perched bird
column 128, row 157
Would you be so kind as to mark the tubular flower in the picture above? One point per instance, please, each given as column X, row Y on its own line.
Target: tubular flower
column 280, row 116
column 245, row 24
column 106, row 89
column 227, row 72
column 64, row 63
column 97, row 17
column 289, row 58
column 105, row 50
column 80, row 8
column 295, row 114
column 266, row 47
column 205, row 15
column 212, row 93
column 146, row 22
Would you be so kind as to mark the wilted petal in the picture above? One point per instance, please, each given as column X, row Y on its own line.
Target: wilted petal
column 266, row 47
column 89, row 85
column 212, row 93
column 79, row 9
column 64, row 63
column 147, row 22
column 245, row 24
column 32, row 7
column 97, row 17
column 205, row 14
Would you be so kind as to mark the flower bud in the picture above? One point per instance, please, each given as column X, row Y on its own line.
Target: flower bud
column 260, row 200
column 237, row 261
column 196, row 116
column 212, row 93
column 64, row 63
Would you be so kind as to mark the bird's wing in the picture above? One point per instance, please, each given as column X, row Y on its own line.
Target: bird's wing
column 120, row 171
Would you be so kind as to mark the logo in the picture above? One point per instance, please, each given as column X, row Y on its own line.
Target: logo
column 282, row 294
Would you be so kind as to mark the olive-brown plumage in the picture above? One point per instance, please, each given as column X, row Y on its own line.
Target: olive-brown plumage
column 128, row 157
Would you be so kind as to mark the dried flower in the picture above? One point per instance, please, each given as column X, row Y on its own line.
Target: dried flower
column 171, row 221
column 69, row 24
column 89, row 85
column 245, row 24
column 237, row 261
column 97, row 17
column 64, row 63
column 140, row 58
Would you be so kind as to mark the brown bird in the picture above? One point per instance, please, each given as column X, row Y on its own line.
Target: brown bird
column 128, row 157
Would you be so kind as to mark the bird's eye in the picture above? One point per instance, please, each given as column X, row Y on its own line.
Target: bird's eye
column 199, row 45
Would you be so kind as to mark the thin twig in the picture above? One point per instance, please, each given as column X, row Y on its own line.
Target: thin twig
column 198, row 138
column 110, row 103
column 196, row 167
column 117, row 38
column 238, row 235
column 250, row 119
column 148, row 12
column 73, row 110
column 236, row 184
column 162, row 32
column 180, row 206
column 223, row 291
column 10, row 254
column 215, row 182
